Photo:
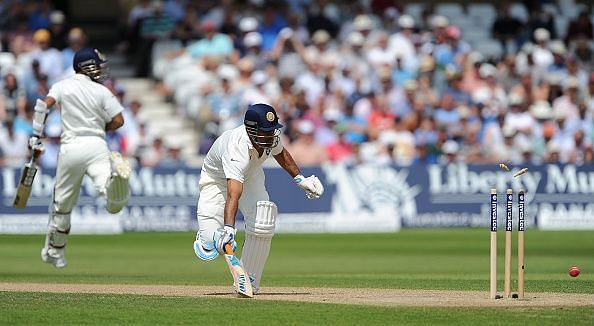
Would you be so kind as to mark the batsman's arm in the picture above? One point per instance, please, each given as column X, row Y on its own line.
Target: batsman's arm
column 40, row 115
column 234, row 190
column 115, row 122
column 285, row 160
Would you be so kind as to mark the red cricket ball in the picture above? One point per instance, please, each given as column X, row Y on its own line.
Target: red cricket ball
column 574, row 271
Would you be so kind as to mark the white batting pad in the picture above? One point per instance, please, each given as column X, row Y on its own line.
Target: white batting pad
column 259, row 231
column 117, row 190
column 58, row 229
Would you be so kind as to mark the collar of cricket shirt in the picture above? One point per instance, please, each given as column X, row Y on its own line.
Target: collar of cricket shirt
column 245, row 137
column 82, row 77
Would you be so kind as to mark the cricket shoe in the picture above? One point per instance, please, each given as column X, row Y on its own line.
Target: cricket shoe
column 54, row 256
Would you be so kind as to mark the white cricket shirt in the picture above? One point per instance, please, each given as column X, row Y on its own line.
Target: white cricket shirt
column 85, row 106
column 233, row 156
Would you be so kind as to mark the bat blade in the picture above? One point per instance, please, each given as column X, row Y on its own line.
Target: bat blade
column 241, row 279
column 25, row 184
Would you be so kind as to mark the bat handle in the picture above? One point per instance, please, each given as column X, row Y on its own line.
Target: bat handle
column 228, row 249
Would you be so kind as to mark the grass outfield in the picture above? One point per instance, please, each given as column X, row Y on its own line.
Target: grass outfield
column 36, row 308
column 449, row 259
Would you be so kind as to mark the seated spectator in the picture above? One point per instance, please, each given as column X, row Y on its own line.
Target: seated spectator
column 175, row 9
column 539, row 18
column 454, row 88
column 153, row 155
column 381, row 117
column 567, row 105
column 185, row 28
column 525, row 88
column 379, row 55
column 450, row 151
column 256, row 93
column 341, row 151
column 40, row 15
column 13, row 146
column 317, row 19
column 401, row 44
column 584, row 55
column 76, row 41
column 541, row 54
column 580, row 28
column 12, row 99
column 172, row 158
column 272, row 24
column 252, row 42
column 43, row 87
column 50, row 59
column 564, row 137
column 213, row 44
column 575, row 71
column 470, row 147
column 305, row 150
column 491, row 95
column 401, row 75
column 558, row 50
column 156, row 26
column 517, row 118
column 224, row 104
column 507, row 27
column 447, row 114
column 326, row 133
column 401, row 141
column 58, row 29
column 131, row 129
column 141, row 10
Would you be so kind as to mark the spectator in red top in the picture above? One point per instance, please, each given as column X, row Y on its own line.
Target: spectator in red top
column 341, row 151
column 381, row 117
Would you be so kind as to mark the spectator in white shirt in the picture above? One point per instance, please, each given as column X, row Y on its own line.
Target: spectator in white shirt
column 567, row 104
column 542, row 56
column 50, row 59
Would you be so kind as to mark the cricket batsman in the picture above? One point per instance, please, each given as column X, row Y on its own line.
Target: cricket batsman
column 232, row 177
column 87, row 110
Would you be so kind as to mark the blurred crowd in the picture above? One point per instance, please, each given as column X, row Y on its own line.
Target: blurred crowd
column 353, row 82
column 37, row 46
column 364, row 82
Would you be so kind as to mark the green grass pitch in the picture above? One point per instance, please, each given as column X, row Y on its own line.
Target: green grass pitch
column 447, row 259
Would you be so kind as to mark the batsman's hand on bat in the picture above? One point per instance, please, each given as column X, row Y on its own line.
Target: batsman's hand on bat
column 225, row 236
column 311, row 185
column 36, row 145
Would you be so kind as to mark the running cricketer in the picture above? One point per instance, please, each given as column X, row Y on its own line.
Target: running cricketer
column 87, row 110
column 232, row 178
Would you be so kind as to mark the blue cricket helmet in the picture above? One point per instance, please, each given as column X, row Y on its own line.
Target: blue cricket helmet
column 262, row 117
column 90, row 62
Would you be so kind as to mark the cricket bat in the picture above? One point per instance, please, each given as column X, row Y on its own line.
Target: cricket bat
column 25, row 183
column 241, row 279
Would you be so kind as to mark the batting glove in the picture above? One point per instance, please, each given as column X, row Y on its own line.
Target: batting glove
column 35, row 144
column 226, row 236
column 311, row 185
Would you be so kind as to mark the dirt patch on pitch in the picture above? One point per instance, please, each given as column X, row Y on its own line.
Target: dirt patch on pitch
column 377, row 297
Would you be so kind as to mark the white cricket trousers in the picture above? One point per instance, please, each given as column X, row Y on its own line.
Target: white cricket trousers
column 213, row 195
column 83, row 155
